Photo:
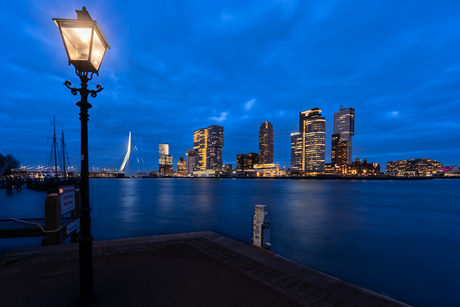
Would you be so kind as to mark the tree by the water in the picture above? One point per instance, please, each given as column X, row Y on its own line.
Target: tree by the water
column 7, row 163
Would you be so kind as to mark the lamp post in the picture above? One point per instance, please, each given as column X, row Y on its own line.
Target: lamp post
column 85, row 46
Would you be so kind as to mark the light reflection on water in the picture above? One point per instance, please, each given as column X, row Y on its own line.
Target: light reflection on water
column 400, row 238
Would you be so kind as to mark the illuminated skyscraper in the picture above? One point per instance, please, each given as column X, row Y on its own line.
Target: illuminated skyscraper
column 266, row 143
column 308, row 146
column 207, row 144
column 165, row 163
column 344, row 126
column 296, row 151
column 163, row 149
column 214, row 147
column 200, row 139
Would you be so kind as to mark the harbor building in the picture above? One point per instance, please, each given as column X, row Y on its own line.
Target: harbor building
column 208, row 144
column 363, row 168
column 308, row 146
column 266, row 143
column 344, row 129
column 415, row 167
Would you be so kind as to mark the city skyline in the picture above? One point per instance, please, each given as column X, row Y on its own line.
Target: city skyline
column 238, row 65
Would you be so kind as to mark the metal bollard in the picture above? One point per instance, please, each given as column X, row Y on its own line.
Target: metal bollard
column 261, row 227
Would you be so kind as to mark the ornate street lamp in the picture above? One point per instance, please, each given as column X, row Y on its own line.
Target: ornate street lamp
column 85, row 46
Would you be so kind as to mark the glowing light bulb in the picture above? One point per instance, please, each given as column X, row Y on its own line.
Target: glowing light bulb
column 83, row 34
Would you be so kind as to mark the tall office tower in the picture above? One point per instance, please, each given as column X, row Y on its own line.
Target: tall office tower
column 266, row 143
column 251, row 159
column 200, row 139
column 190, row 160
column 214, row 150
column 309, row 144
column 207, row 144
column 163, row 150
column 296, row 151
column 344, row 125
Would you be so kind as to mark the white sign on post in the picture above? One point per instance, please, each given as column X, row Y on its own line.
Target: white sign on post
column 261, row 227
column 67, row 194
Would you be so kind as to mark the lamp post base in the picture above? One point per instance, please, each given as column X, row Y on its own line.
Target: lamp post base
column 88, row 300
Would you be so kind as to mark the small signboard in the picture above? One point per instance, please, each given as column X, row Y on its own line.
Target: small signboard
column 67, row 194
column 75, row 225
column 261, row 227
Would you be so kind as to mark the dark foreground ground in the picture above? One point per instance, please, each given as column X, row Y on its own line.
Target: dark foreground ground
column 192, row 269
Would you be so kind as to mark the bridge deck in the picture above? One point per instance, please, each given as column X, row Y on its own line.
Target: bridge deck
column 14, row 229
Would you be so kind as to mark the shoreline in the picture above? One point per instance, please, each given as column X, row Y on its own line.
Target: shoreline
column 295, row 178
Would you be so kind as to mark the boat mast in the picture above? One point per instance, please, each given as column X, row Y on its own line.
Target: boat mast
column 54, row 145
column 63, row 150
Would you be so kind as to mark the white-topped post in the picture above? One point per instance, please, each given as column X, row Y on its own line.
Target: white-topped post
column 261, row 227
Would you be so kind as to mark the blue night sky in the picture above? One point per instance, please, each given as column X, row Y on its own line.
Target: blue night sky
column 177, row 66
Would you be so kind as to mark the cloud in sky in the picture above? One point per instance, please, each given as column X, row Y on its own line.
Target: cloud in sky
column 173, row 63
column 221, row 118
column 248, row 105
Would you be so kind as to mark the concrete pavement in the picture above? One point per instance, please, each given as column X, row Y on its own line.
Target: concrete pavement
column 190, row 269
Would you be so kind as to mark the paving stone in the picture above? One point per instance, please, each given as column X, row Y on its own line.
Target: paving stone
column 345, row 304
column 292, row 296
column 283, row 277
column 311, row 290
column 303, row 293
column 291, row 280
column 267, row 277
column 267, row 283
column 304, row 303
column 284, row 284
column 261, row 274
column 275, row 280
column 293, row 289
column 276, row 273
column 300, row 285
column 325, row 303
column 318, row 296
column 333, row 300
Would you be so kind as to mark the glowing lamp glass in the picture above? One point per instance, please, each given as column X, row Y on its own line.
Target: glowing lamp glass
column 84, row 43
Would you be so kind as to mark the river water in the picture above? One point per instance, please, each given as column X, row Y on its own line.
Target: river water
column 397, row 238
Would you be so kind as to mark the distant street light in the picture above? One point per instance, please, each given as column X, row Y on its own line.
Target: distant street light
column 85, row 46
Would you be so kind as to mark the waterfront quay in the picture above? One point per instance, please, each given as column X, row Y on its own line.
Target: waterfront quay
column 188, row 269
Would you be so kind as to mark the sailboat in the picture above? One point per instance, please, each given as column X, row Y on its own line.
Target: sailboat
column 64, row 178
